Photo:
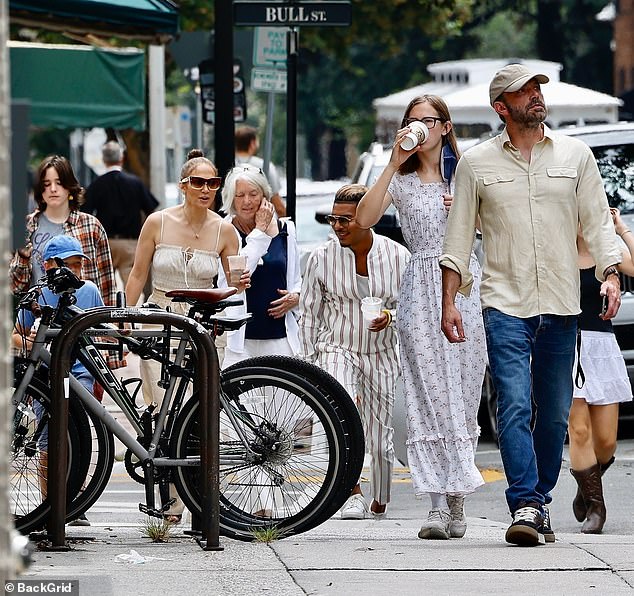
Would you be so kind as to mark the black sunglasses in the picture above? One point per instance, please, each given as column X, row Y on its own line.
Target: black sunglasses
column 198, row 182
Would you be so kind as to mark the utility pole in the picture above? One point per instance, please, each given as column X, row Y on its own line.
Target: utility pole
column 223, row 66
column 6, row 318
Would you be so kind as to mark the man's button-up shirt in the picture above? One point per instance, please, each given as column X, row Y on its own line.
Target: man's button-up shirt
column 529, row 214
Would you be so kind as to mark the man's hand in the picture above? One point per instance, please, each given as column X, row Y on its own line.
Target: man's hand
column 380, row 323
column 612, row 289
column 451, row 324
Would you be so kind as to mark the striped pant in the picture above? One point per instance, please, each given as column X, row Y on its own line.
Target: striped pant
column 370, row 380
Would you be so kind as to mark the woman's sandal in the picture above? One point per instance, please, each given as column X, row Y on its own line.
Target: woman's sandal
column 173, row 518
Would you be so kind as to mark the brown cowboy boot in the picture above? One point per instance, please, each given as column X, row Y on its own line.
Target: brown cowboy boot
column 579, row 507
column 589, row 481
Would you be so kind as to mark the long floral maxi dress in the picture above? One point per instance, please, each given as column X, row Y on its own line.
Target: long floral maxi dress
column 442, row 381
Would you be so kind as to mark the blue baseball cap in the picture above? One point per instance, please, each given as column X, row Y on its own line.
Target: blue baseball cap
column 62, row 247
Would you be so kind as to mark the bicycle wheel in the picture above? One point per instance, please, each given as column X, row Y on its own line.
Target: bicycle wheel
column 28, row 465
column 295, row 463
column 97, row 459
column 348, row 413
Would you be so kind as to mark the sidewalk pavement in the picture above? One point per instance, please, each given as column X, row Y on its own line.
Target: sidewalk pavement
column 373, row 557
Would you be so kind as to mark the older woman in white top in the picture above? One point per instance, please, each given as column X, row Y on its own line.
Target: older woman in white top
column 270, row 246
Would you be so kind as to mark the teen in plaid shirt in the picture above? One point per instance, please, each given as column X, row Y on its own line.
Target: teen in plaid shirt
column 58, row 196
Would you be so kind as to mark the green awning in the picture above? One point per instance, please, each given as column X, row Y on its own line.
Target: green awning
column 80, row 86
column 137, row 19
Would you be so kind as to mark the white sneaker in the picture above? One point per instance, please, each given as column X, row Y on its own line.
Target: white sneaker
column 354, row 508
column 458, row 525
column 437, row 525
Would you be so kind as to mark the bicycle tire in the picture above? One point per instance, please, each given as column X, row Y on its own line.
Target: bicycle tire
column 30, row 511
column 300, row 506
column 97, row 461
column 338, row 396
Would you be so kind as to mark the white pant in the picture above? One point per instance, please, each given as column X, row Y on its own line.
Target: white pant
column 370, row 380
column 258, row 347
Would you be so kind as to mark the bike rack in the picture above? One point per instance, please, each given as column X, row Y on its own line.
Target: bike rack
column 207, row 368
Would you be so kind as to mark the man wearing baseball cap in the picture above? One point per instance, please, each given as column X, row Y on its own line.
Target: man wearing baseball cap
column 530, row 189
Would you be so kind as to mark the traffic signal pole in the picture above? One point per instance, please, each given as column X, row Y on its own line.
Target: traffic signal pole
column 291, row 120
column 223, row 64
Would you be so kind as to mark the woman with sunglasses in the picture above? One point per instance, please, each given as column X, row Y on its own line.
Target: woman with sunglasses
column 185, row 246
column 270, row 246
column 442, row 381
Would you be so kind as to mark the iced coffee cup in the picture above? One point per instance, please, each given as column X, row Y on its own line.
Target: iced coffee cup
column 371, row 309
column 417, row 135
column 237, row 265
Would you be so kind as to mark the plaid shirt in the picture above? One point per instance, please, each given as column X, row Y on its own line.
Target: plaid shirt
column 94, row 242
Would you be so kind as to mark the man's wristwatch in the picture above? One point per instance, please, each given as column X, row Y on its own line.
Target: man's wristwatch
column 610, row 271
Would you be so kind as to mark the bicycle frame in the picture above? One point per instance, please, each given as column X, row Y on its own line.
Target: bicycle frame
column 95, row 363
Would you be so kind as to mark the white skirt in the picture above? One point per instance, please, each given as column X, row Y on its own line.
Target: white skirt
column 606, row 380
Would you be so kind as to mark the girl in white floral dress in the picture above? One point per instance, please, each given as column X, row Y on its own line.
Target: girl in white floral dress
column 442, row 381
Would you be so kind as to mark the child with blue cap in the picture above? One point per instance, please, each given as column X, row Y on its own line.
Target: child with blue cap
column 68, row 249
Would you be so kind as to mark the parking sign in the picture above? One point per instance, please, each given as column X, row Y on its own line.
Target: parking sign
column 269, row 46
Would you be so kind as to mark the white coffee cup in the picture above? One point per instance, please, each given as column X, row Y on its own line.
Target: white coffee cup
column 371, row 309
column 237, row 265
column 418, row 134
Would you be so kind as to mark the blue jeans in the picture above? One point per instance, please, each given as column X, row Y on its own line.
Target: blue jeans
column 531, row 359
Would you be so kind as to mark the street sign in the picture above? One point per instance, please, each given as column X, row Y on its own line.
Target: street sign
column 269, row 46
column 268, row 79
column 282, row 14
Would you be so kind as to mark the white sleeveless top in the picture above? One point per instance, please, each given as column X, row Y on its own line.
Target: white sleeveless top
column 175, row 267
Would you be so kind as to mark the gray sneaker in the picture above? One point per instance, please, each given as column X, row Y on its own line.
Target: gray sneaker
column 437, row 525
column 458, row 525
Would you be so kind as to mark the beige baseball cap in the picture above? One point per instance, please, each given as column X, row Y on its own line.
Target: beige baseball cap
column 512, row 78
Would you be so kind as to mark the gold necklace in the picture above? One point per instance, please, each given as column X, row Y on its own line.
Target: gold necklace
column 196, row 234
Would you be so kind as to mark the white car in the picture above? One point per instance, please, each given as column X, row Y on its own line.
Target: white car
column 312, row 198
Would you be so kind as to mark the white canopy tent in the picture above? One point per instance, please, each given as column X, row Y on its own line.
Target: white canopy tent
column 464, row 85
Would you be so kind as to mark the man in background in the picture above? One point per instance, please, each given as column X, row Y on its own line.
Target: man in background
column 121, row 202
column 247, row 146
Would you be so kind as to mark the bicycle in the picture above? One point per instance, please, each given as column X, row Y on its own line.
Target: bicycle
column 292, row 444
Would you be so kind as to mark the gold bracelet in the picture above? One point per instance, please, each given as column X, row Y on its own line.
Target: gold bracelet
column 389, row 316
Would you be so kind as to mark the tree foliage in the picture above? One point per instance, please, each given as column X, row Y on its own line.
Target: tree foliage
column 390, row 43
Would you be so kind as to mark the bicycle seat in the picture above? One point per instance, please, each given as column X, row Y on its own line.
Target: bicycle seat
column 210, row 296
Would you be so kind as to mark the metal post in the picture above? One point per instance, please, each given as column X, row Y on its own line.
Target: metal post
column 6, row 568
column 268, row 134
column 291, row 120
column 206, row 382
column 223, row 66
column 156, row 101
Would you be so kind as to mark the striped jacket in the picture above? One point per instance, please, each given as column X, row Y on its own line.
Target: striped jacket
column 330, row 300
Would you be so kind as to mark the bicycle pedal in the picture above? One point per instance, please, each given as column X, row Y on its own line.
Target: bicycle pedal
column 150, row 511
